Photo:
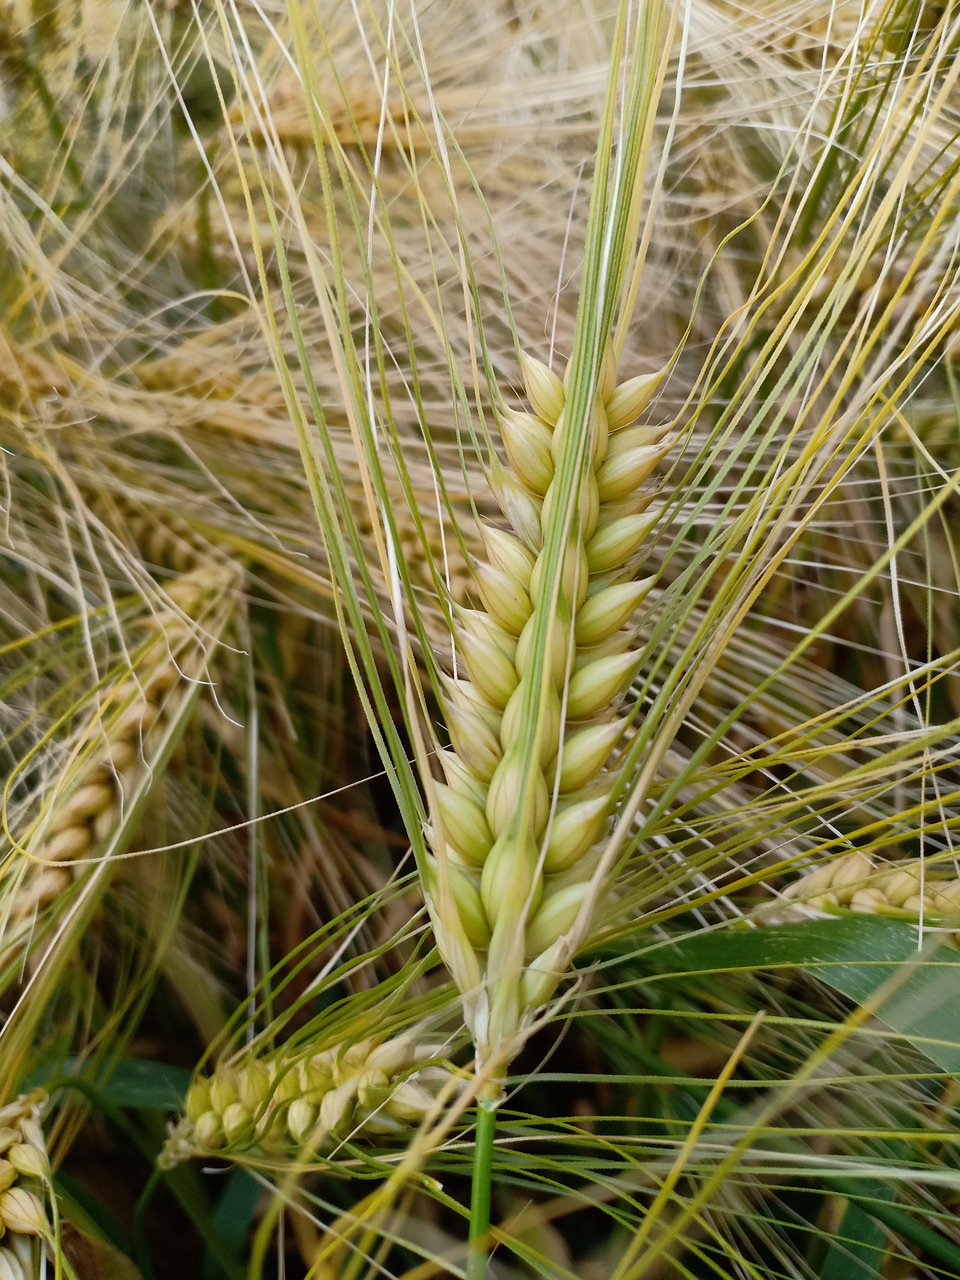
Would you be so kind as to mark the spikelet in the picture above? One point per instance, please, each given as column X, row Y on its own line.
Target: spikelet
column 306, row 1103
column 137, row 710
column 851, row 883
column 25, row 1226
column 507, row 888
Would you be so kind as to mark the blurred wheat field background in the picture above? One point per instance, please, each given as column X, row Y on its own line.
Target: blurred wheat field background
column 287, row 292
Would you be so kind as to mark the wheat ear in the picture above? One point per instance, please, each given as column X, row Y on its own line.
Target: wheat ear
column 24, row 1188
column 903, row 890
column 505, row 893
column 290, row 1103
column 138, row 707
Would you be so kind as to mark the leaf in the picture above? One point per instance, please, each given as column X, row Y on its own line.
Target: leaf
column 857, row 1250
column 146, row 1085
column 868, row 959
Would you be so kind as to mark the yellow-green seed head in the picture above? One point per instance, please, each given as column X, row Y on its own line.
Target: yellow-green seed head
column 507, row 602
column 198, row 1098
column 224, row 1089
column 550, row 722
column 237, row 1124
column 587, row 512
column 504, row 796
column 508, row 876
column 543, row 974
column 22, row 1211
column 336, row 1108
column 254, row 1083
column 28, row 1161
column 519, row 506
column 487, row 665
column 465, row 886
column 599, row 435
column 474, row 740
column 208, row 1131
column 460, row 779
column 574, row 574
column 508, row 554
column 32, row 1133
column 558, row 646
column 301, row 1119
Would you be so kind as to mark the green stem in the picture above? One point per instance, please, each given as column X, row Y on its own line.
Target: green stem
column 480, row 1190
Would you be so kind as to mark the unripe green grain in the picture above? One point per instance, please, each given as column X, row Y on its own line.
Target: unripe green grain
column 630, row 398
column 624, row 472
column 574, row 574
column 464, row 824
column 585, row 752
column 488, row 666
column 543, row 387
column 504, row 796
column 521, row 509
column 598, row 684
column 557, row 913
column 507, row 602
column 607, row 611
column 575, row 829
column 550, row 722
column 509, row 875
column 474, row 740
column 527, row 442
column 558, row 647
column 616, row 541
column 508, row 554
